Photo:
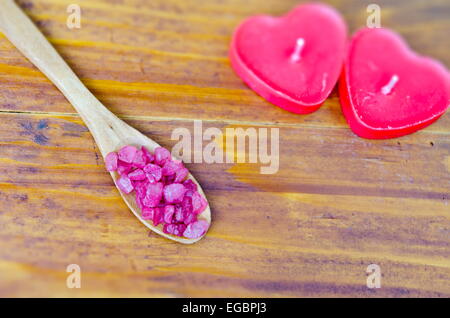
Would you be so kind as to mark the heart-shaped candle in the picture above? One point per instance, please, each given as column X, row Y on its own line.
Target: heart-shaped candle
column 386, row 90
column 293, row 61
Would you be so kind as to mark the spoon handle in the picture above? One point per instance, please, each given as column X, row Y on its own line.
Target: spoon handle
column 106, row 128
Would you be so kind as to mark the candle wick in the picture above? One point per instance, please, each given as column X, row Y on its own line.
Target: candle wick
column 387, row 89
column 296, row 56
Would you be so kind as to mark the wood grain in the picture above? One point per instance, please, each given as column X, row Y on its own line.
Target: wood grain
column 337, row 204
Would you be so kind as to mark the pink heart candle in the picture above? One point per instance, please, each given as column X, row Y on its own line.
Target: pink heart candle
column 386, row 90
column 293, row 61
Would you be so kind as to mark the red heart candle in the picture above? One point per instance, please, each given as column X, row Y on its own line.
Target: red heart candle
column 386, row 90
column 293, row 61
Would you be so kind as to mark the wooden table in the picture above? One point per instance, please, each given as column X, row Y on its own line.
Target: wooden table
column 337, row 204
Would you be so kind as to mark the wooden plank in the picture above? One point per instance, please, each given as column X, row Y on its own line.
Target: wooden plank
column 169, row 59
column 338, row 204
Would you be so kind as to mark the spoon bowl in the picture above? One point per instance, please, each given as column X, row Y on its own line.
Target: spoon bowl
column 109, row 132
column 138, row 141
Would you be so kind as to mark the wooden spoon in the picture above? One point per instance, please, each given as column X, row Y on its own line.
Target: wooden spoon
column 109, row 132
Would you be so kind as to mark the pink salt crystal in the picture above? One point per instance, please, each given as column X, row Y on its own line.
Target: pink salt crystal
column 171, row 167
column 139, row 202
column 138, row 183
column 181, row 174
column 123, row 170
column 123, row 167
column 127, row 154
column 140, row 187
column 174, row 229
column 161, row 155
column 196, row 229
column 173, row 193
column 137, row 174
column 149, row 202
column 148, row 213
column 169, row 210
column 153, row 172
column 187, row 205
column 189, row 215
column 179, row 215
column 190, row 185
column 124, row 184
column 141, row 191
column 169, row 228
column 148, row 156
column 158, row 217
column 153, row 195
column 198, row 203
column 179, row 229
column 140, row 160
column 169, row 179
column 190, row 218
column 111, row 161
